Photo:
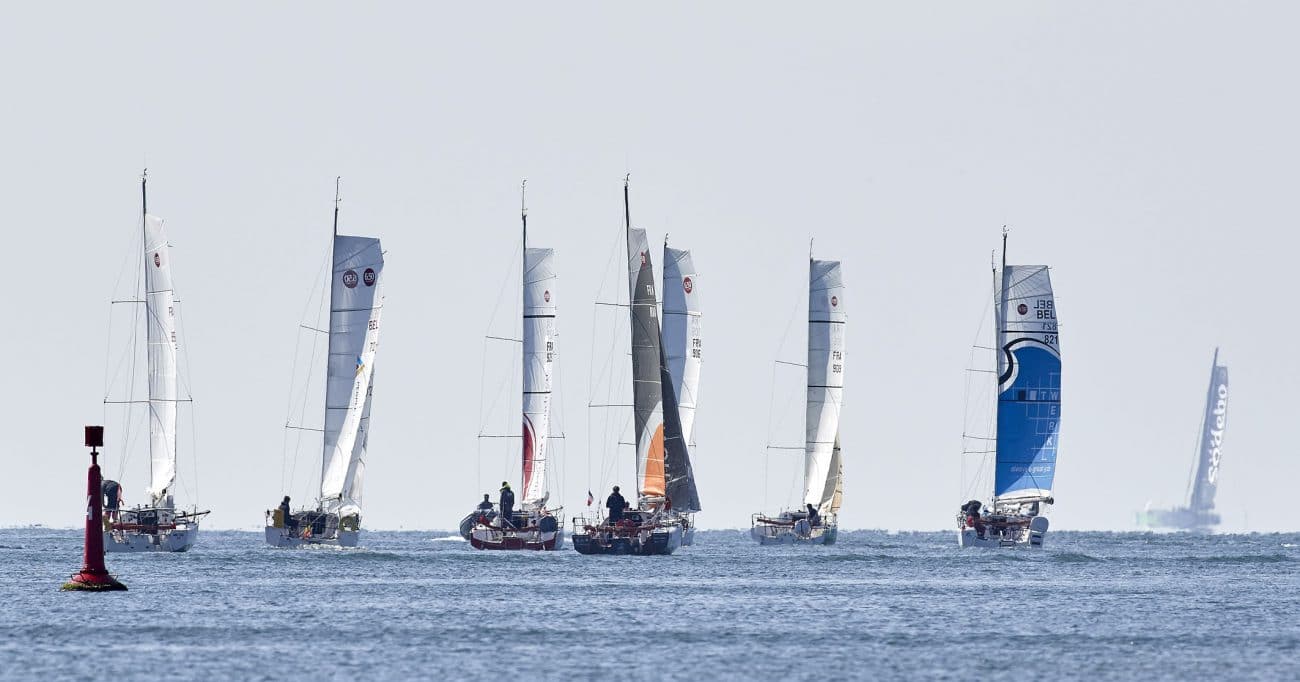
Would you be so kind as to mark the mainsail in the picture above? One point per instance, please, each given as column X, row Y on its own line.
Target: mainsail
column 160, row 309
column 1029, row 385
column 826, row 318
column 539, row 355
column 683, row 352
column 647, row 360
column 355, row 306
column 1216, row 420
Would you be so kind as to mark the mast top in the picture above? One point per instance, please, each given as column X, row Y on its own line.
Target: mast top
column 144, row 196
column 523, row 208
column 1004, row 246
column 337, row 179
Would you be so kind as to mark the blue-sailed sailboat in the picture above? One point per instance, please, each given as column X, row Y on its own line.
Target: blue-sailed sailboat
column 1028, row 412
column 1198, row 514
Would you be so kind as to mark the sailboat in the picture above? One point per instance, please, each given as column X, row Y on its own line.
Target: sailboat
column 817, row 521
column 665, row 479
column 534, row 525
column 683, row 348
column 1198, row 514
column 356, row 302
column 157, row 526
column 1028, row 412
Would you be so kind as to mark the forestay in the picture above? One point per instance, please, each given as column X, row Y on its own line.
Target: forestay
column 356, row 302
column 1211, row 447
column 826, row 322
column 1029, row 385
column 647, row 358
column 539, row 356
column 160, row 309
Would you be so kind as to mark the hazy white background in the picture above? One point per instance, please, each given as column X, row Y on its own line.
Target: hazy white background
column 1146, row 151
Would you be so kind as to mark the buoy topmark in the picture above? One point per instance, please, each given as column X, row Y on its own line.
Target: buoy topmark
column 93, row 576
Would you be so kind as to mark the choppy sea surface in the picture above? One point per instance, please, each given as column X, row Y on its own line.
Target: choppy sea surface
column 422, row 605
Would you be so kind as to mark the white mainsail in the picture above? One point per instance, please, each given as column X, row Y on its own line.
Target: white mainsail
column 683, row 347
column 826, row 320
column 356, row 302
column 160, row 311
column 539, row 356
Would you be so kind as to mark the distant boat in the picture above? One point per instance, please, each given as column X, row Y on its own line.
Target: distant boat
column 1028, row 413
column 1198, row 514
column 683, row 348
column 157, row 526
column 665, row 480
column 356, row 301
column 533, row 525
column 816, row 521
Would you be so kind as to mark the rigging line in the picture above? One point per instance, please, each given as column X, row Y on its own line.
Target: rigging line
column 501, row 338
column 314, row 329
column 286, row 477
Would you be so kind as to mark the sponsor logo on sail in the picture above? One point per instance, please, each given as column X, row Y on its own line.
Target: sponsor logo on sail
column 1022, row 309
column 1220, row 419
column 546, row 296
column 643, row 258
column 157, row 261
column 687, row 284
column 835, row 300
column 361, row 365
column 350, row 279
column 368, row 277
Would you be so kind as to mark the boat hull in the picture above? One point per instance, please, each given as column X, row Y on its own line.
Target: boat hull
column 1031, row 535
column 178, row 539
column 661, row 541
column 787, row 536
column 283, row 539
column 483, row 537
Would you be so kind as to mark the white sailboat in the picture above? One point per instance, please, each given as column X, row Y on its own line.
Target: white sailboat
column 356, row 302
column 1198, row 514
column 534, row 525
column 817, row 521
column 1028, row 413
column 157, row 526
column 683, row 349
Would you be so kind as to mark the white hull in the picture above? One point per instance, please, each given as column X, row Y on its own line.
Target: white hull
column 1031, row 535
column 282, row 538
column 787, row 536
column 179, row 539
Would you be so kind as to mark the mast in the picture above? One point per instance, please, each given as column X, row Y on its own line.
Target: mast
column 144, row 255
column 523, row 208
column 523, row 311
column 998, row 294
column 330, row 283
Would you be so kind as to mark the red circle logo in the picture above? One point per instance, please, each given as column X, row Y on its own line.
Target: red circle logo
column 546, row 296
column 835, row 301
column 1022, row 309
column 643, row 259
column 157, row 261
column 687, row 284
column 350, row 279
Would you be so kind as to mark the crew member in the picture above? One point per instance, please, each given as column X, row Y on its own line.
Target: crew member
column 287, row 515
column 112, row 498
column 486, row 504
column 507, row 503
column 616, row 504
column 813, row 517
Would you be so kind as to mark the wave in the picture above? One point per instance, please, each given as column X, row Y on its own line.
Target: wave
column 1075, row 558
column 448, row 538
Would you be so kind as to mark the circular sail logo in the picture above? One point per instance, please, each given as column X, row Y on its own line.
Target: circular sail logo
column 1022, row 309
column 546, row 296
column 687, row 284
column 157, row 261
column 835, row 300
column 368, row 277
column 643, row 258
column 350, row 279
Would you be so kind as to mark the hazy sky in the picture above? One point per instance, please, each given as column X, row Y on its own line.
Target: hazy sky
column 1145, row 151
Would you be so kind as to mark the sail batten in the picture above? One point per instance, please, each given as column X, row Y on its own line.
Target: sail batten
column 1029, row 385
column 160, row 311
column 826, row 318
column 539, row 339
column 356, row 302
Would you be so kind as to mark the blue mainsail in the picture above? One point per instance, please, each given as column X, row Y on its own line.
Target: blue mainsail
column 1029, row 384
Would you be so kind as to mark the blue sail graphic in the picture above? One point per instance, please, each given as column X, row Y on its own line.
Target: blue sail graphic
column 1029, row 386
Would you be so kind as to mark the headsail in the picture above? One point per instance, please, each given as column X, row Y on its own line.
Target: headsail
column 1210, row 452
column 1029, row 385
column 647, row 359
column 160, row 309
column 683, row 351
column 826, row 321
column 356, row 302
column 539, row 354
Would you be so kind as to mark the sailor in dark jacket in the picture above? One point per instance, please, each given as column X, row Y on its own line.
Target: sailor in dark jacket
column 287, row 515
column 507, row 504
column 616, row 504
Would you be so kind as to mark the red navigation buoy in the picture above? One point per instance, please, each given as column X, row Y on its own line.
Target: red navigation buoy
column 94, row 577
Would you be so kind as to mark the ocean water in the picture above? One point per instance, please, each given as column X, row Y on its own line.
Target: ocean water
column 422, row 605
